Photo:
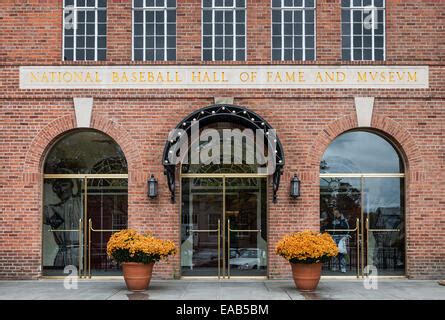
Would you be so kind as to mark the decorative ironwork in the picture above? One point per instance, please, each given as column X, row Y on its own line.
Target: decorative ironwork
column 224, row 113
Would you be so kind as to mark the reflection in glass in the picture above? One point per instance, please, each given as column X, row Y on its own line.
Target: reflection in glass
column 246, row 210
column 65, row 241
column 62, row 210
column 107, row 209
column 202, row 206
column 377, row 200
column 384, row 208
column 361, row 152
column 340, row 207
column 85, row 152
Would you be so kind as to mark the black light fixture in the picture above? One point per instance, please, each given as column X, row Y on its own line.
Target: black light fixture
column 295, row 187
column 152, row 187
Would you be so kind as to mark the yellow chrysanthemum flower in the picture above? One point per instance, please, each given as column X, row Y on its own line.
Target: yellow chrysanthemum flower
column 130, row 245
column 307, row 247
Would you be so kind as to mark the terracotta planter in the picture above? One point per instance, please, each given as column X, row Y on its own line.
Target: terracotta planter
column 137, row 275
column 306, row 276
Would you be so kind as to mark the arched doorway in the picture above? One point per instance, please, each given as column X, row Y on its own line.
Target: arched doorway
column 224, row 193
column 362, row 204
column 85, row 199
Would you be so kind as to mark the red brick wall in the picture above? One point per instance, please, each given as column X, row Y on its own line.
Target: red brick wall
column 139, row 120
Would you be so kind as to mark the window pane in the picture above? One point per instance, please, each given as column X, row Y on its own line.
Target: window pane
column 150, row 55
column 276, row 42
column 228, row 55
column 310, row 54
column 298, row 54
column 367, row 54
column 159, row 54
column 218, row 54
column 346, row 54
column 138, row 54
column 276, row 16
column 69, row 54
column 207, row 55
column 138, row 42
column 379, row 54
column 90, row 54
column 240, row 55
column 69, row 42
column 362, row 152
column 171, row 54
column 276, row 54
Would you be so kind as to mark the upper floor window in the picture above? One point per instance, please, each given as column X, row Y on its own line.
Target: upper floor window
column 224, row 30
column 363, row 30
column 85, row 30
column 293, row 29
column 154, row 30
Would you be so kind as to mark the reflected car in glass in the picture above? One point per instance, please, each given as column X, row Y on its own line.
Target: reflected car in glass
column 249, row 258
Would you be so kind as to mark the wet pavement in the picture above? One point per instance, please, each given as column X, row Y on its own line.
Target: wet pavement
column 386, row 289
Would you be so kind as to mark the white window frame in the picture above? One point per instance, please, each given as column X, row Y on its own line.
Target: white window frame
column 76, row 10
column 154, row 8
column 362, row 8
column 292, row 9
column 233, row 8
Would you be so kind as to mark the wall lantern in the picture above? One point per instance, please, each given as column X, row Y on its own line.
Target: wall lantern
column 152, row 187
column 295, row 187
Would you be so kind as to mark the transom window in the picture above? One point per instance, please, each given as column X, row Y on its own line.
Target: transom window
column 84, row 30
column 224, row 30
column 293, row 29
column 154, row 30
column 363, row 30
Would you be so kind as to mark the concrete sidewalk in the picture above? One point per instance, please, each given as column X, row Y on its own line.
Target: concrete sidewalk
column 399, row 289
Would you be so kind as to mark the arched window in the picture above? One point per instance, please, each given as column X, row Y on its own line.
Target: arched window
column 362, row 203
column 85, row 199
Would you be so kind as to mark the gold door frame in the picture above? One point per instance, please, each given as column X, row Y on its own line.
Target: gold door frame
column 222, row 225
column 85, row 225
column 362, row 228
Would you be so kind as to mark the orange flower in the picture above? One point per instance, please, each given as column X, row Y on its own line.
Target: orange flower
column 307, row 246
column 143, row 244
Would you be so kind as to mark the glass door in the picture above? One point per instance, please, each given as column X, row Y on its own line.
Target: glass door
column 79, row 215
column 107, row 204
column 63, row 222
column 246, row 226
column 202, row 215
column 340, row 216
column 384, row 225
column 223, row 226
column 366, row 213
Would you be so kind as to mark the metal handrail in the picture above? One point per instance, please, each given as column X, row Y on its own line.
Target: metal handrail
column 233, row 230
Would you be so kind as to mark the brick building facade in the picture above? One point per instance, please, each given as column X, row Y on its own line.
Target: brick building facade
column 307, row 120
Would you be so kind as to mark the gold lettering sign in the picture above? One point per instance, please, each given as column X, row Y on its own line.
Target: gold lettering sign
column 225, row 77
